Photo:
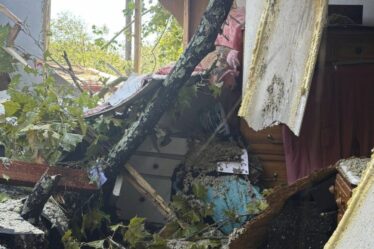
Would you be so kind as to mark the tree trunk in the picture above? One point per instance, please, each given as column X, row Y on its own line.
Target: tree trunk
column 34, row 204
column 128, row 34
column 200, row 45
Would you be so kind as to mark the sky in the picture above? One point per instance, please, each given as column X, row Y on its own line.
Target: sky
column 93, row 12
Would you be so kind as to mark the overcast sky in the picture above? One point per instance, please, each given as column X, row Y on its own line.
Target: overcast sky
column 98, row 12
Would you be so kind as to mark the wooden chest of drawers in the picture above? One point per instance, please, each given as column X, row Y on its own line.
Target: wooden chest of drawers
column 268, row 146
column 350, row 44
column 343, row 192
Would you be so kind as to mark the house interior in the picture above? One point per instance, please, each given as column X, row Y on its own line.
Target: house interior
column 337, row 126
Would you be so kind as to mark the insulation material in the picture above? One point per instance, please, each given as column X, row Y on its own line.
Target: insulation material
column 356, row 228
column 281, row 47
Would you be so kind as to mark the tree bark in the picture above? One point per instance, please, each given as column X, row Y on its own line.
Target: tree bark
column 34, row 204
column 200, row 45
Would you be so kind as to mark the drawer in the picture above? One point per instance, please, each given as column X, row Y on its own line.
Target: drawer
column 274, row 173
column 131, row 203
column 272, row 135
column 343, row 192
column 354, row 50
column 356, row 45
column 274, row 170
column 272, row 182
column 271, row 158
column 342, row 187
column 267, row 145
column 154, row 166
column 177, row 146
column 267, row 149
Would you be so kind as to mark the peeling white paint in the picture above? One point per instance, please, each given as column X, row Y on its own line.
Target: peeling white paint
column 281, row 46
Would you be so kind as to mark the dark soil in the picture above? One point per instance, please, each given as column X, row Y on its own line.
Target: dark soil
column 300, row 225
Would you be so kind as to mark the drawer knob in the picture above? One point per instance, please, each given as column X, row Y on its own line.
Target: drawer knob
column 339, row 201
column 332, row 189
column 275, row 175
column 272, row 140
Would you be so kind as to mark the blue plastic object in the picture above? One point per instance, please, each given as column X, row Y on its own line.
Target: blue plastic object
column 231, row 195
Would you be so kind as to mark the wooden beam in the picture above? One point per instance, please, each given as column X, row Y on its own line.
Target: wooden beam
column 186, row 22
column 9, row 14
column 137, row 36
column 143, row 187
column 28, row 174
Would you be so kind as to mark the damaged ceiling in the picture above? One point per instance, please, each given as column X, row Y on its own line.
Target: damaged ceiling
column 281, row 51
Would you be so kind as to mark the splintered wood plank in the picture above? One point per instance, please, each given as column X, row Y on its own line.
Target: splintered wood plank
column 27, row 174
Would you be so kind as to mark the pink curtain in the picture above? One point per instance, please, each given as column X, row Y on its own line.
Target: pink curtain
column 338, row 121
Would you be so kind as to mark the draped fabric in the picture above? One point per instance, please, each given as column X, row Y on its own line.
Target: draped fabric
column 338, row 121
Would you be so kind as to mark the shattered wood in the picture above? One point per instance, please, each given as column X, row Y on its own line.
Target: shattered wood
column 27, row 174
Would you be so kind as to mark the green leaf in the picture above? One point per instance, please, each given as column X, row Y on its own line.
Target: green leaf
column 98, row 244
column 263, row 205
column 6, row 59
column 47, row 54
column 215, row 90
column 257, row 206
column 70, row 140
column 199, row 190
column 3, row 197
column 11, row 108
column 115, row 227
column 192, row 230
column 69, row 241
column 158, row 243
column 93, row 220
column 206, row 244
column 136, row 232
column 32, row 127
column 30, row 70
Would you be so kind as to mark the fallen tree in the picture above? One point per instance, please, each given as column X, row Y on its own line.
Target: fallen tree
column 200, row 45
column 34, row 204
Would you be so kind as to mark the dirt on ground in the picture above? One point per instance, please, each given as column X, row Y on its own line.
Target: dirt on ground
column 300, row 225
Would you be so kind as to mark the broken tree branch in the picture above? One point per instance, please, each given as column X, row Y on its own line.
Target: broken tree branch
column 71, row 72
column 34, row 204
column 110, row 85
column 201, row 44
column 121, row 31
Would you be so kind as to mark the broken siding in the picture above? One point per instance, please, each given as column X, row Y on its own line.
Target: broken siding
column 282, row 41
column 34, row 16
column 32, row 40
